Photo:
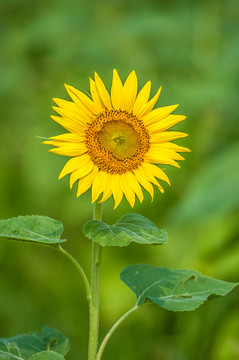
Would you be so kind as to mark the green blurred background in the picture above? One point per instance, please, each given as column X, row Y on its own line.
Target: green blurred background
column 191, row 49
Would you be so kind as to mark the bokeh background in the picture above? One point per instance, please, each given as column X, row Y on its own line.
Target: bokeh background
column 191, row 49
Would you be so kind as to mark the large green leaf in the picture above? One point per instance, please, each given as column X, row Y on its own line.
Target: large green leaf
column 129, row 228
column 26, row 345
column 32, row 228
column 176, row 290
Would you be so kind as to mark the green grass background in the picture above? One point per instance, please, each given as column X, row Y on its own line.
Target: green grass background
column 191, row 49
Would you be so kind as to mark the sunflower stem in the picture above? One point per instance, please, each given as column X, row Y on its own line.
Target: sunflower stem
column 95, row 290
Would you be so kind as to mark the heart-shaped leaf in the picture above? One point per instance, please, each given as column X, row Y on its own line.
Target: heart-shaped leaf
column 175, row 290
column 25, row 346
column 130, row 228
column 32, row 228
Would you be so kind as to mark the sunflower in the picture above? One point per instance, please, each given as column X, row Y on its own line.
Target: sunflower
column 115, row 141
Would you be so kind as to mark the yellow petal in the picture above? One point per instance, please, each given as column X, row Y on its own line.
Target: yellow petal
column 72, row 149
column 116, row 90
column 81, row 172
column 107, row 188
column 68, row 105
column 174, row 155
column 142, row 98
column 144, row 182
column 158, row 151
column 150, row 177
column 85, row 104
column 116, row 189
column 155, row 171
column 166, row 136
column 129, row 92
column 69, row 137
column 74, row 164
column 68, row 114
column 161, row 189
column 172, row 146
column 132, row 181
column 165, row 124
column 95, row 96
column 63, row 139
column 97, row 187
column 78, row 119
column 103, row 93
column 129, row 193
column 160, row 158
column 158, row 114
column 149, row 106
column 85, row 183
column 68, row 124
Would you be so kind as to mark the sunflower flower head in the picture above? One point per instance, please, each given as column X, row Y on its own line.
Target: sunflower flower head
column 115, row 141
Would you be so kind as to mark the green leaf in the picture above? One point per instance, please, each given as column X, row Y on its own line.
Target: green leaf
column 32, row 228
column 130, row 228
column 46, row 355
column 176, row 290
column 26, row 345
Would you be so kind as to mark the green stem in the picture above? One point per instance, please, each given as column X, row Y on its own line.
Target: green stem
column 111, row 331
column 95, row 290
column 79, row 268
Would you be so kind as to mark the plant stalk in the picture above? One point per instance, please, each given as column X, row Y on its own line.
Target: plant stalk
column 95, row 290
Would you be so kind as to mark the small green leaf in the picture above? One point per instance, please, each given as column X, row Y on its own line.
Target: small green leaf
column 130, row 228
column 26, row 345
column 42, row 355
column 6, row 356
column 46, row 355
column 176, row 290
column 32, row 228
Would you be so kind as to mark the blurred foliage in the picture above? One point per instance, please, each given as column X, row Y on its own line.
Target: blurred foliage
column 191, row 49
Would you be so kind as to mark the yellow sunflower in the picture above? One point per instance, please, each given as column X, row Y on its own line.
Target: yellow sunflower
column 115, row 141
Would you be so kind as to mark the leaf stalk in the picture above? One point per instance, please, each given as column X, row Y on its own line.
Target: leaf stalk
column 112, row 330
column 79, row 268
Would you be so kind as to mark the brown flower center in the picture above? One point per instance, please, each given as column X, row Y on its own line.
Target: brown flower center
column 117, row 141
